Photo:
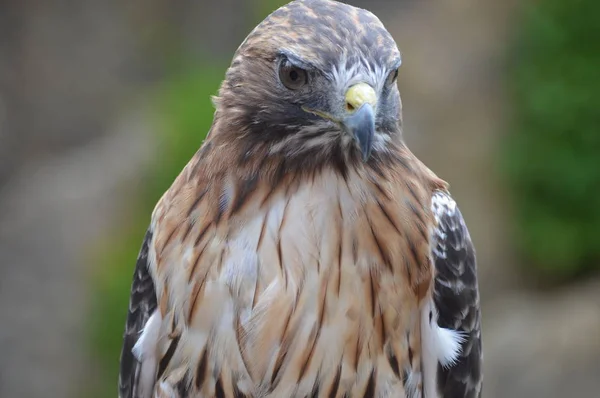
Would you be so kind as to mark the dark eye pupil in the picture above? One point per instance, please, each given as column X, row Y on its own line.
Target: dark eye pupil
column 291, row 76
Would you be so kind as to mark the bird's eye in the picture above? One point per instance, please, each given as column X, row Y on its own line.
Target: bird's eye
column 391, row 79
column 291, row 76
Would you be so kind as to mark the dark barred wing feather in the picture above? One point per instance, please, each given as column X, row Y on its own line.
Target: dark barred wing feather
column 142, row 304
column 456, row 298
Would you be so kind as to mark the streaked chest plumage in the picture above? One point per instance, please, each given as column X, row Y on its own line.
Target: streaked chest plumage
column 313, row 288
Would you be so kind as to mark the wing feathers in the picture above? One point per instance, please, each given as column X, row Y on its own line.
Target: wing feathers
column 456, row 299
column 142, row 304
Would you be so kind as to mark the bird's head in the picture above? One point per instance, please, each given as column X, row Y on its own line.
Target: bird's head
column 315, row 80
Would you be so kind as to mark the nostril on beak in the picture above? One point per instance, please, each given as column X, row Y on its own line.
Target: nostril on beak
column 359, row 95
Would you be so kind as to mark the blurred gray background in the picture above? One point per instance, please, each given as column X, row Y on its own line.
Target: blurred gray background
column 82, row 85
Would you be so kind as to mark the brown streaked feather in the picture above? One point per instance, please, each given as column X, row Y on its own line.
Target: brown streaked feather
column 209, row 261
column 393, row 361
column 164, row 361
column 219, row 391
column 370, row 389
column 201, row 369
column 335, row 384
column 389, row 218
column 380, row 247
column 285, row 340
column 198, row 286
column 382, row 332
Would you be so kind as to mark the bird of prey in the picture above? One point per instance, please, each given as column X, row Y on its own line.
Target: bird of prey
column 304, row 251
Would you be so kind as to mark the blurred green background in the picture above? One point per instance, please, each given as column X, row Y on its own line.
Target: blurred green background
column 102, row 104
column 553, row 153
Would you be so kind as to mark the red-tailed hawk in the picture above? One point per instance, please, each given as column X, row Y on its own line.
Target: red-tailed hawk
column 304, row 251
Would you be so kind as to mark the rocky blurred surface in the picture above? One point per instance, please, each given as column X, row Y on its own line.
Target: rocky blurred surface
column 4, row 148
column 68, row 69
column 65, row 68
column 543, row 345
column 50, row 213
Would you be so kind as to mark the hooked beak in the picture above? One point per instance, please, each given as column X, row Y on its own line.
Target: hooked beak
column 360, row 123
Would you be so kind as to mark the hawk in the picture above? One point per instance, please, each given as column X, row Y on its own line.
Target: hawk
column 304, row 251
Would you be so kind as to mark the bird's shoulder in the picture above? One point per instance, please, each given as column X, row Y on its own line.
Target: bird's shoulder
column 456, row 297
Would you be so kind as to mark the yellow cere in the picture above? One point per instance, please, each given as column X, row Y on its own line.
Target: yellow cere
column 360, row 94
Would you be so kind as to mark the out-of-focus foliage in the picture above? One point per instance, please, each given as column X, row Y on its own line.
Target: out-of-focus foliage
column 553, row 151
column 184, row 117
